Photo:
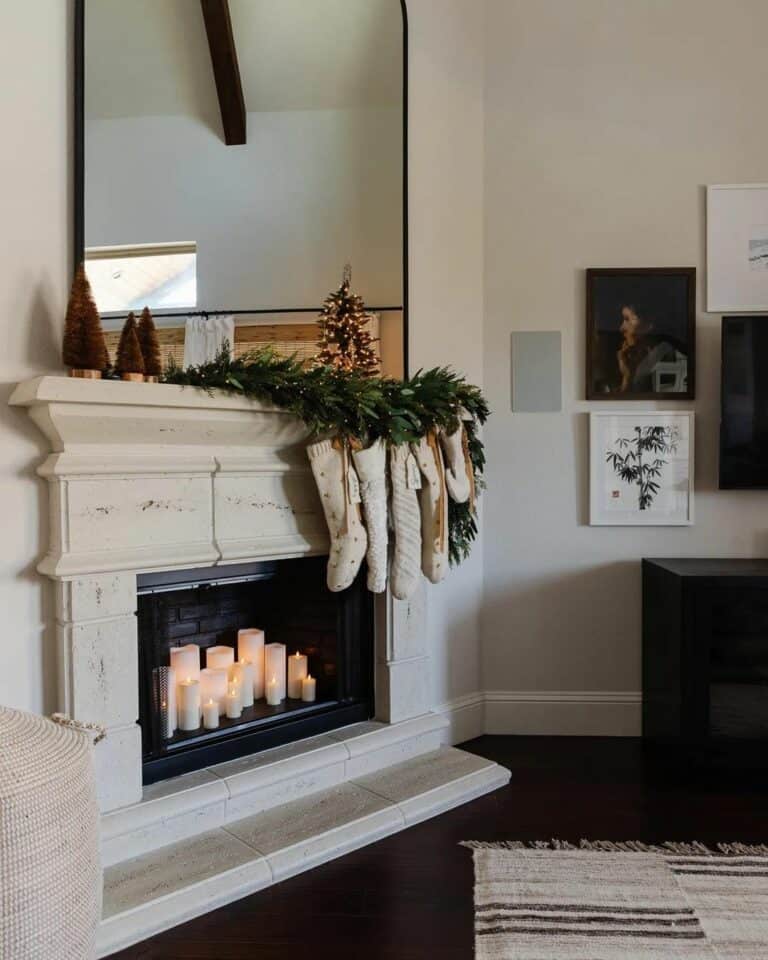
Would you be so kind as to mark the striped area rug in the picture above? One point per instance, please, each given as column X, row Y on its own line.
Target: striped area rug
column 620, row 901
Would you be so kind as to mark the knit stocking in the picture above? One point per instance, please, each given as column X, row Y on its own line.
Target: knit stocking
column 406, row 566
column 337, row 484
column 371, row 466
column 434, row 508
column 457, row 470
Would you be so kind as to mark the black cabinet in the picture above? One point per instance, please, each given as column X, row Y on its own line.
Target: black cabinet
column 705, row 658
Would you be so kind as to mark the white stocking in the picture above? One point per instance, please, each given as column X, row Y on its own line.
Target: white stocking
column 334, row 475
column 433, row 498
column 406, row 520
column 371, row 465
column 456, row 475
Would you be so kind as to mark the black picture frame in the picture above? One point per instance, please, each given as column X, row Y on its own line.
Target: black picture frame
column 78, row 224
column 641, row 333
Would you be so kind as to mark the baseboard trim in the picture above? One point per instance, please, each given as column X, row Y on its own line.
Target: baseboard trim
column 586, row 713
column 466, row 718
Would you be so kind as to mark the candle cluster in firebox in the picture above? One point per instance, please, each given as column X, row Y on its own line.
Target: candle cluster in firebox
column 226, row 686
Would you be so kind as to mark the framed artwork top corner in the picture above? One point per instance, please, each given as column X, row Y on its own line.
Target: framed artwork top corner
column 737, row 247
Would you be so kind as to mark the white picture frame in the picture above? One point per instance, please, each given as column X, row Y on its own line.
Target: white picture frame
column 638, row 477
column 737, row 247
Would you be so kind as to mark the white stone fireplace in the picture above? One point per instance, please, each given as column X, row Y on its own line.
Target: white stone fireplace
column 153, row 477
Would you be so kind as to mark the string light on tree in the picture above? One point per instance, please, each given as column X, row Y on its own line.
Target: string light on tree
column 345, row 342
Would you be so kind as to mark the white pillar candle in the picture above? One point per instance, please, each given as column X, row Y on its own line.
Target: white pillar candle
column 188, row 693
column 250, row 647
column 214, row 685
column 210, row 715
column 218, row 657
column 186, row 661
column 237, row 687
column 242, row 674
column 232, row 703
column 297, row 670
column 169, row 706
column 309, row 689
column 173, row 710
column 274, row 666
column 273, row 692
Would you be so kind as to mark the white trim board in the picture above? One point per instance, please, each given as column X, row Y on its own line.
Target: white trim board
column 465, row 716
column 587, row 713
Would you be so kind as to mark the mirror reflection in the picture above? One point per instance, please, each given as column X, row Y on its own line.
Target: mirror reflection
column 236, row 156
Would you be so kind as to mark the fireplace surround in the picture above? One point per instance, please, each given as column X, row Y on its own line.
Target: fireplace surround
column 146, row 479
column 152, row 484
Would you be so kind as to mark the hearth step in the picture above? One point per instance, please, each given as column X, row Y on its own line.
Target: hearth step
column 168, row 886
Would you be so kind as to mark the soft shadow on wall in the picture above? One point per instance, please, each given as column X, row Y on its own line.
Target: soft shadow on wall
column 42, row 325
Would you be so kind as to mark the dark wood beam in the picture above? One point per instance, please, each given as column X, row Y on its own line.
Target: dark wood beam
column 226, row 72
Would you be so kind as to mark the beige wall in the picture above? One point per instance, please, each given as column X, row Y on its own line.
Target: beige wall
column 604, row 120
column 446, row 290
column 446, row 283
column 35, row 215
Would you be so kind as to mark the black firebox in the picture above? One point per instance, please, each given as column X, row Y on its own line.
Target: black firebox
column 290, row 601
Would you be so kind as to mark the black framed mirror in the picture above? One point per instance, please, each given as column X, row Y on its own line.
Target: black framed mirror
column 232, row 155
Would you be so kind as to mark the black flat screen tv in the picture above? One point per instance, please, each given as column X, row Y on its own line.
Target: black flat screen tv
column 744, row 404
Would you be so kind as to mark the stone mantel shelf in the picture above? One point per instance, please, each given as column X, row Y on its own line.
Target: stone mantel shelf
column 53, row 389
column 157, row 476
column 152, row 403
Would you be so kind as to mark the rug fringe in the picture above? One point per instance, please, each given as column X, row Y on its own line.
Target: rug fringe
column 693, row 848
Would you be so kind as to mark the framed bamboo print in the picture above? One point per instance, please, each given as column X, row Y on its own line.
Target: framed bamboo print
column 737, row 247
column 641, row 469
column 641, row 333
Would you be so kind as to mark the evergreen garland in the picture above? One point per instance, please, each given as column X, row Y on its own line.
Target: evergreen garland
column 351, row 404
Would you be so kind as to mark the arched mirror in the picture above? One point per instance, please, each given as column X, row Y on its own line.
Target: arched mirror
column 233, row 155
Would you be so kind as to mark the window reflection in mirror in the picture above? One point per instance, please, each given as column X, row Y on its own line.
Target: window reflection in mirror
column 317, row 182
column 161, row 277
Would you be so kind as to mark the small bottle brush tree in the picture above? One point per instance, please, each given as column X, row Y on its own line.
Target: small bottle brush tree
column 130, row 362
column 344, row 341
column 84, row 348
column 150, row 346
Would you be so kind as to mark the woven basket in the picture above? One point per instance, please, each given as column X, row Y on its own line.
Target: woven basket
column 50, row 876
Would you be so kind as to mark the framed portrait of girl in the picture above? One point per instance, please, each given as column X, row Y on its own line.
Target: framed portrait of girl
column 641, row 333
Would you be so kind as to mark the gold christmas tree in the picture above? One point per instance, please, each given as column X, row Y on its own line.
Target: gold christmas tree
column 85, row 350
column 150, row 345
column 344, row 341
column 130, row 362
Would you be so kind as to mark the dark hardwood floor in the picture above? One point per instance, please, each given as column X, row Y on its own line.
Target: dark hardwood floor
column 409, row 897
